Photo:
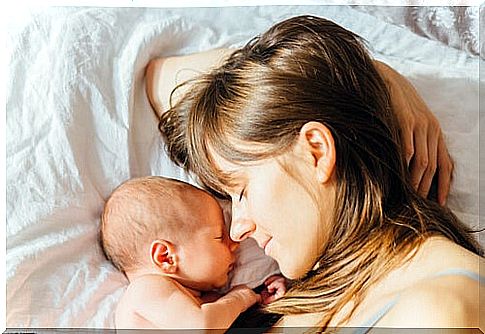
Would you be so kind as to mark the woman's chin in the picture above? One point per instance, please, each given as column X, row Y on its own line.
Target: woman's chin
column 288, row 271
column 293, row 270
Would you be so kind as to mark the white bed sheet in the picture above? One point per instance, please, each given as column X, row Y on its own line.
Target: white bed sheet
column 78, row 124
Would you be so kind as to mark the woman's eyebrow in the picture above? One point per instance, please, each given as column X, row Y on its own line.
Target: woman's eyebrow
column 233, row 179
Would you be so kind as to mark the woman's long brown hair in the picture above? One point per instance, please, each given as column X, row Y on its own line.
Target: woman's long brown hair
column 310, row 69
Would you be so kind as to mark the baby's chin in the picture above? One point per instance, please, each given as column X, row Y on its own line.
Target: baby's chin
column 222, row 282
column 213, row 285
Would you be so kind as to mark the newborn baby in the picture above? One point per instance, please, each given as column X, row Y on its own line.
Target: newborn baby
column 170, row 240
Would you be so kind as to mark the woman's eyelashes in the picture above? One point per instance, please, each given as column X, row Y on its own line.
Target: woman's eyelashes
column 241, row 195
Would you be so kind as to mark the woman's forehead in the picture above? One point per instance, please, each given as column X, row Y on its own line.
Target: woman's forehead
column 230, row 168
column 232, row 174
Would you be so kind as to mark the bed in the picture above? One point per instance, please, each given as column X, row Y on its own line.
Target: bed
column 79, row 123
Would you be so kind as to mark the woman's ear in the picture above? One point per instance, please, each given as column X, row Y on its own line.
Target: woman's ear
column 162, row 255
column 316, row 140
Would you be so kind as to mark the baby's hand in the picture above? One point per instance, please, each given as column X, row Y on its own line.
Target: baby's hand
column 245, row 294
column 275, row 289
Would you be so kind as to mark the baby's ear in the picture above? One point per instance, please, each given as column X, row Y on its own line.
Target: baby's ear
column 162, row 254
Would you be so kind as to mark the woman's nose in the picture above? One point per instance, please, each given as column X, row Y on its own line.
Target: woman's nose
column 241, row 226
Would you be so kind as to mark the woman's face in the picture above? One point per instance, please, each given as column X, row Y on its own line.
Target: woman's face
column 277, row 211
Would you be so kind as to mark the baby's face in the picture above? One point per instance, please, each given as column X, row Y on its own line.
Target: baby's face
column 207, row 256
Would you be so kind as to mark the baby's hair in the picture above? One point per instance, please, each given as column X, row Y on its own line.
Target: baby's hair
column 140, row 211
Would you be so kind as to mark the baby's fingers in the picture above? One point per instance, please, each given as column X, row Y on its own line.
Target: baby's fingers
column 268, row 298
column 271, row 279
column 276, row 286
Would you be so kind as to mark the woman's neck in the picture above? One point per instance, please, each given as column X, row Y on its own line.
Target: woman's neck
column 434, row 255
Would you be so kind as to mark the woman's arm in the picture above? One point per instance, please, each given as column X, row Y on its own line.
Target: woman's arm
column 422, row 138
column 164, row 74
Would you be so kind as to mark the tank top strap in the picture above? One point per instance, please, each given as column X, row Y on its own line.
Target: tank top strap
column 366, row 326
column 461, row 272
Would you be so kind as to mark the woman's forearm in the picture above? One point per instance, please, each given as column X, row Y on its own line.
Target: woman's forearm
column 164, row 74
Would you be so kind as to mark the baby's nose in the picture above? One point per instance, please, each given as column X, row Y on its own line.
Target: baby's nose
column 233, row 245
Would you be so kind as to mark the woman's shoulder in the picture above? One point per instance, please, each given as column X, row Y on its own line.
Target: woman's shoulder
column 443, row 288
column 446, row 292
column 442, row 301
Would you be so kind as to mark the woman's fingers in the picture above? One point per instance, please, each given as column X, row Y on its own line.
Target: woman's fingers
column 433, row 136
column 419, row 162
column 407, row 123
column 422, row 141
column 408, row 143
column 445, row 171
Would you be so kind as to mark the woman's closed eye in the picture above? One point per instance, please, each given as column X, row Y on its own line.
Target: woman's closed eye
column 241, row 194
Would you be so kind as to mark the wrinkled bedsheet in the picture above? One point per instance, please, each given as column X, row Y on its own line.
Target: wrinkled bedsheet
column 456, row 26
column 78, row 124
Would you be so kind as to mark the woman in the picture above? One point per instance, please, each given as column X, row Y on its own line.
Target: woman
column 297, row 128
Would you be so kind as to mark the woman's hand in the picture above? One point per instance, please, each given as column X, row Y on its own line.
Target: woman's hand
column 275, row 289
column 422, row 139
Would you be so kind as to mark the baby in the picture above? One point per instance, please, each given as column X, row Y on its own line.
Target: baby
column 170, row 240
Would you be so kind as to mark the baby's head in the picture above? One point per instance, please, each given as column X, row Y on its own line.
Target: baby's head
column 155, row 225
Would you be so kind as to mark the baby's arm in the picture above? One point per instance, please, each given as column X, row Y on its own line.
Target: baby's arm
column 224, row 311
column 170, row 307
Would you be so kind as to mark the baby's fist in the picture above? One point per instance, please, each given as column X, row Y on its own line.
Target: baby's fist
column 275, row 289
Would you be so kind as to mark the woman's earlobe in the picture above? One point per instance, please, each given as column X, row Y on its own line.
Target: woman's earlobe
column 162, row 255
column 318, row 141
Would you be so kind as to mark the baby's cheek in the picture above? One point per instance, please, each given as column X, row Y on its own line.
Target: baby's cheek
column 225, row 255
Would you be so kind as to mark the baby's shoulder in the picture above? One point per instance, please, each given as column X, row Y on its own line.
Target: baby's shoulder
column 150, row 287
column 141, row 294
